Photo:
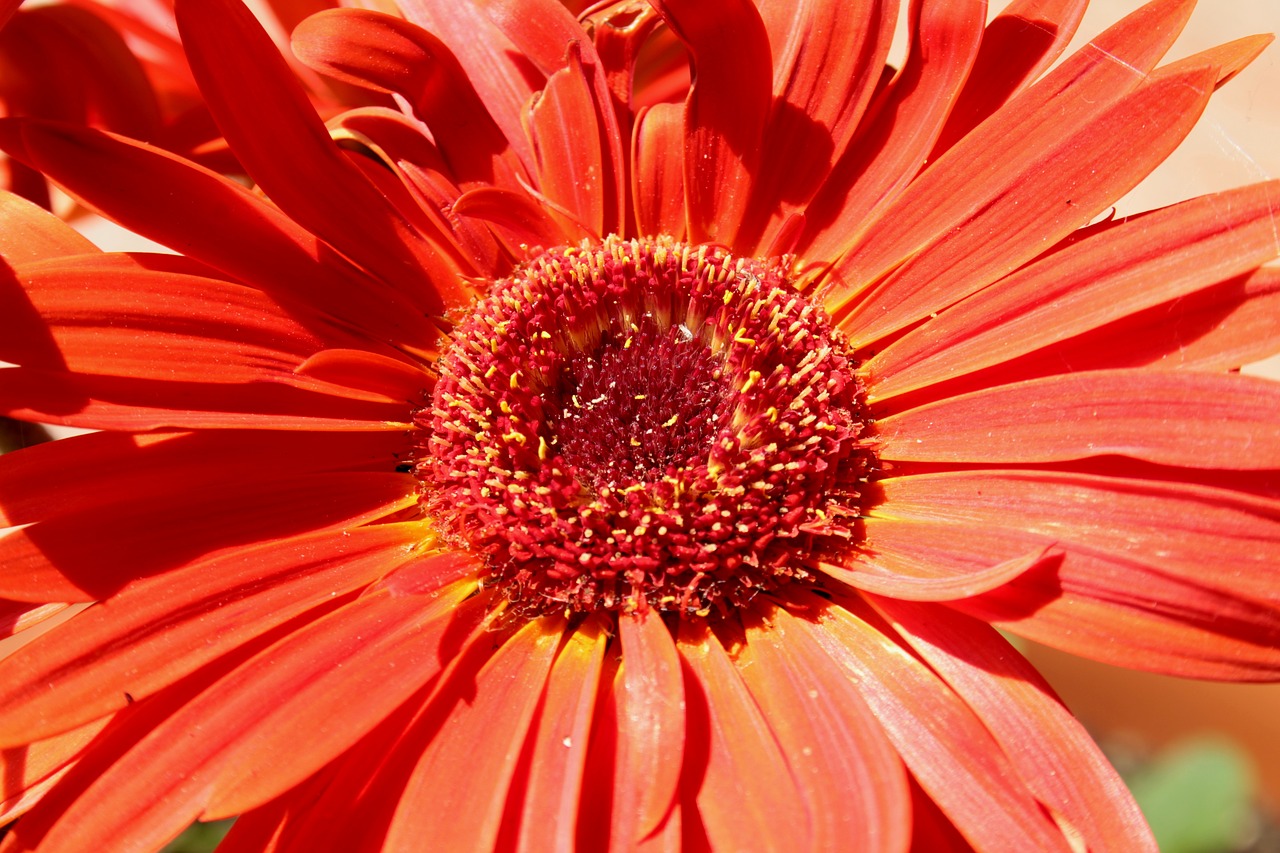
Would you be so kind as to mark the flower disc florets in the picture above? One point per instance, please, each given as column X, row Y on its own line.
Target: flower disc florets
column 643, row 424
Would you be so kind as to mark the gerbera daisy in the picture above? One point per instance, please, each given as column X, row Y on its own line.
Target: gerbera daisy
column 634, row 440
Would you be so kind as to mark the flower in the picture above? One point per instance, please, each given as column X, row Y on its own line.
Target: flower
column 634, row 440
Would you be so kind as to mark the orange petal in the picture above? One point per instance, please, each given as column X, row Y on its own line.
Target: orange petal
column 566, row 142
column 458, row 791
column 1017, row 46
column 557, row 745
column 159, row 630
column 286, row 149
column 657, row 177
column 1131, row 587
column 870, row 573
column 989, row 162
column 942, row 741
column 1155, row 415
column 32, row 233
column 746, row 796
column 1054, row 755
column 905, row 121
column 651, row 728
column 1141, row 262
column 996, row 216
column 725, row 112
column 850, row 777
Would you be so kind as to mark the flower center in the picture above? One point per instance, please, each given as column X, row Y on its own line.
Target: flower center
column 644, row 424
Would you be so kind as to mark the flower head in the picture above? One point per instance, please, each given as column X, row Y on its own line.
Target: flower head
column 634, row 437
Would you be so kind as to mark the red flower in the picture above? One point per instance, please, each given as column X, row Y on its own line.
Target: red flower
column 635, row 440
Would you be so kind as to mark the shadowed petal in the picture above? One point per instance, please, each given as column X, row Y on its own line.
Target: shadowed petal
column 1055, row 757
column 457, row 793
column 850, row 777
column 746, row 796
column 943, row 743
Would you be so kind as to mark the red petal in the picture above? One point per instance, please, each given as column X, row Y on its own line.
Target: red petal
column 125, row 403
column 1054, row 755
column 330, row 684
column 917, row 582
column 214, row 220
column 997, row 215
column 458, row 790
column 657, row 176
column 32, row 233
column 725, row 112
column 521, row 223
column 826, row 60
column 24, row 769
column 496, row 67
column 964, row 181
column 371, row 48
column 558, row 744
column 1142, row 262
column 746, row 797
column 1131, row 588
column 284, row 146
column 906, row 120
column 163, row 781
column 61, row 558
column 158, row 630
column 1219, row 328
column 33, row 484
column 1018, row 45
column 1195, row 420
column 566, row 141
column 651, row 729
column 113, row 321
column 850, row 777
column 367, row 375
column 944, row 744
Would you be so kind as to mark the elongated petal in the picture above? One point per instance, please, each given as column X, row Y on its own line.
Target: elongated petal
column 849, row 775
column 651, row 729
column 457, row 793
column 887, row 155
column 1195, row 420
column 60, row 558
column 1027, row 201
column 374, row 49
column 566, row 141
column 1020, row 43
column 154, row 325
column 149, row 635
column 1219, row 328
column 725, row 112
column 495, row 66
column 558, row 744
column 826, row 60
column 980, row 168
column 126, row 403
column 1131, row 587
column 212, row 219
column 164, row 781
column 1055, row 757
column 286, row 149
column 525, row 226
column 747, row 797
column 944, row 744
column 110, row 465
column 922, row 582
column 657, row 179
column 32, row 233
column 1144, row 261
